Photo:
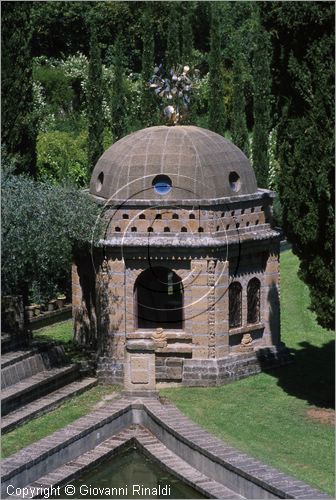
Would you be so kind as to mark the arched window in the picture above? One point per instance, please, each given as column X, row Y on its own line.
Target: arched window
column 235, row 305
column 253, row 301
column 158, row 295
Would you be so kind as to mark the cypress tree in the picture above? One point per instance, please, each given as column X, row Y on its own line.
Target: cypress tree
column 173, row 42
column 118, row 101
column 306, row 143
column 261, row 74
column 149, row 107
column 187, row 36
column 18, row 126
column 216, row 87
column 95, row 101
column 239, row 127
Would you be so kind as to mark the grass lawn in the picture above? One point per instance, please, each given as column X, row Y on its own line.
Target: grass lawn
column 270, row 415
column 53, row 421
column 62, row 332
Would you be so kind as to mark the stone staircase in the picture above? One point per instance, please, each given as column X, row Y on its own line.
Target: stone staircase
column 35, row 380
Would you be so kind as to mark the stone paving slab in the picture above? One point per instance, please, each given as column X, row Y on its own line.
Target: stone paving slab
column 45, row 404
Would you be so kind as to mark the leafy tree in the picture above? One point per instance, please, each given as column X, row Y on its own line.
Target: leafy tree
column 94, row 101
column 239, row 127
column 216, row 89
column 149, row 107
column 18, row 126
column 40, row 225
column 118, row 100
column 261, row 100
column 172, row 58
column 306, row 143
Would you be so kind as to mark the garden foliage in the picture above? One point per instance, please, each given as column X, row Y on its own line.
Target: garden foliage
column 18, row 121
column 265, row 79
column 306, row 141
column 95, row 102
column 216, row 88
column 40, row 225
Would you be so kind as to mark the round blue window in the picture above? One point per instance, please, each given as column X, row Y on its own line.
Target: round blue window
column 162, row 184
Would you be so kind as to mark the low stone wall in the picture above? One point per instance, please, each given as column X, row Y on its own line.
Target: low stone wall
column 210, row 456
column 201, row 372
column 50, row 317
column 209, row 372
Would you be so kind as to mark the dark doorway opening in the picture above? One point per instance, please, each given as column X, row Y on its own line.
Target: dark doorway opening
column 158, row 294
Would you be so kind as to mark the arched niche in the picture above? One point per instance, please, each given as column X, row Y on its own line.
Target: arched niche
column 158, row 299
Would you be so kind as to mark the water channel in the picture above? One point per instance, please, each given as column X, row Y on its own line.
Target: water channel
column 128, row 475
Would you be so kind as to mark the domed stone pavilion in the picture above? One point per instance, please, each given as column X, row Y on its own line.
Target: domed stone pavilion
column 183, row 286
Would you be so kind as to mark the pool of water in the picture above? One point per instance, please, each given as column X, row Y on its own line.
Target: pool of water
column 128, row 475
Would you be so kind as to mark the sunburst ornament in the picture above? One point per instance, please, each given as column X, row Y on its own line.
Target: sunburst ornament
column 173, row 88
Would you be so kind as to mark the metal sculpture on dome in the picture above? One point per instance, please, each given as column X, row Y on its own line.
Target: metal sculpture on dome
column 174, row 89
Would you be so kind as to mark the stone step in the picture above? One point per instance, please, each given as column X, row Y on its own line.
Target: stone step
column 9, row 342
column 20, row 366
column 12, row 357
column 40, row 384
column 45, row 404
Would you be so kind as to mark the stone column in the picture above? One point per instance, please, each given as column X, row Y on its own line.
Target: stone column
column 199, row 309
column 270, row 302
column 111, row 325
column 222, row 308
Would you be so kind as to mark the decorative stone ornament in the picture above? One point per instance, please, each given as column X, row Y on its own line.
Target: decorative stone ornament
column 159, row 338
column 246, row 343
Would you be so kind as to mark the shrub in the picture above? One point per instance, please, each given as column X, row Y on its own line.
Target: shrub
column 40, row 225
column 57, row 87
column 62, row 158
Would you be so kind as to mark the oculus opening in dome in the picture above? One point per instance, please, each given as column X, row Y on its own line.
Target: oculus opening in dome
column 162, row 184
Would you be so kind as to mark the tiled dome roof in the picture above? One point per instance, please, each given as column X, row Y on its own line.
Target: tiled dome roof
column 172, row 164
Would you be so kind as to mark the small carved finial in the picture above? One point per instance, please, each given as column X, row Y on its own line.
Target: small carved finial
column 246, row 343
column 159, row 338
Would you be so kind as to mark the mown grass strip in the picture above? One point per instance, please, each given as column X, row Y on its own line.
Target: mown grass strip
column 47, row 424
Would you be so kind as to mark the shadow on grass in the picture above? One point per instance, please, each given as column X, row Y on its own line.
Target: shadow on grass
column 311, row 375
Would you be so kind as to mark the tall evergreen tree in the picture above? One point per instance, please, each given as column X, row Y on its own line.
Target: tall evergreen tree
column 261, row 73
column 216, row 89
column 149, row 106
column 239, row 127
column 18, row 126
column 173, row 39
column 118, row 101
column 95, row 100
column 306, row 140
column 187, row 37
